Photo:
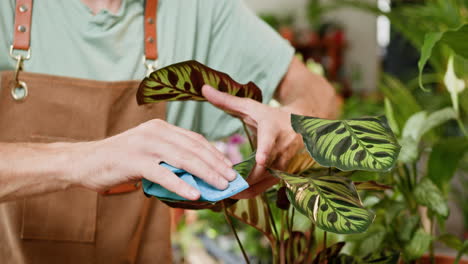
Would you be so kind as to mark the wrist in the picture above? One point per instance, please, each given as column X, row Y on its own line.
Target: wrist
column 73, row 162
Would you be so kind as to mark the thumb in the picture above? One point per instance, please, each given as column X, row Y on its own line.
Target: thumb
column 225, row 101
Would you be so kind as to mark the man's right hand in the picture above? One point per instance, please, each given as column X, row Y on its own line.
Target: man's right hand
column 136, row 154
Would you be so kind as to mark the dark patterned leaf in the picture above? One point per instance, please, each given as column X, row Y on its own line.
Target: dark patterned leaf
column 382, row 258
column 183, row 81
column 376, row 258
column 355, row 144
column 296, row 247
column 332, row 202
column 329, row 254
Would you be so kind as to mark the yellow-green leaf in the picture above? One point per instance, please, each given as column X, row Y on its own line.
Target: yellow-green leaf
column 355, row 144
column 331, row 202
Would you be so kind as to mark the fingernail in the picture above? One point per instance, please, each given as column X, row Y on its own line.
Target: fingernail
column 231, row 174
column 223, row 184
column 194, row 194
column 261, row 159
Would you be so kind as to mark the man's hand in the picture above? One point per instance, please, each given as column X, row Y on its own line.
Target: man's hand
column 137, row 153
column 32, row 168
column 277, row 142
column 300, row 92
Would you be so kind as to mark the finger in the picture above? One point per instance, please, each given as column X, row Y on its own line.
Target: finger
column 170, row 181
column 192, row 163
column 200, row 139
column 227, row 102
column 265, row 143
column 175, row 134
column 195, row 158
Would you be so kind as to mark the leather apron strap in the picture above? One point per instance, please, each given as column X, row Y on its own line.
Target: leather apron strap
column 22, row 31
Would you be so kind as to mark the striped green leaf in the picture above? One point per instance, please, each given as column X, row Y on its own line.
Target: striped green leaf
column 332, row 202
column 183, row 81
column 245, row 167
column 355, row 144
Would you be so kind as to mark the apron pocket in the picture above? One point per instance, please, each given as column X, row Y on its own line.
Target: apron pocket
column 60, row 216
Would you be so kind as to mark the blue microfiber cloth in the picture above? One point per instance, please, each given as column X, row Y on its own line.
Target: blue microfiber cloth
column 208, row 193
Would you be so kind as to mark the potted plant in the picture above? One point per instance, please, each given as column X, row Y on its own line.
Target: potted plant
column 318, row 183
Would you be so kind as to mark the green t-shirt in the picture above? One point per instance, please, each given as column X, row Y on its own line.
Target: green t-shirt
column 68, row 40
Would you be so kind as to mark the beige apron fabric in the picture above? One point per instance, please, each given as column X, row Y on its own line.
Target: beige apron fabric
column 78, row 225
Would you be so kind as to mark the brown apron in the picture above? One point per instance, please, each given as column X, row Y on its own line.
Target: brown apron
column 77, row 225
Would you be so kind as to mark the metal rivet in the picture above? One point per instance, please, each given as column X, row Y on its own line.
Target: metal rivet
column 22, row 28
column 150, row 20
column 19, row 92
column 150, row 40
column 23, row 8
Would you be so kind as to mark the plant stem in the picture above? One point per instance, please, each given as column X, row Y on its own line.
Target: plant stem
column 406, row 188
column 249, row 137
column 462, row 127
column 408, row 174
column 228, row 219
column 431, row 249
column 270, row 214
column 292, row 219
column 415, row 174
column 324, row 240
column 310, row 245
column 282, row 244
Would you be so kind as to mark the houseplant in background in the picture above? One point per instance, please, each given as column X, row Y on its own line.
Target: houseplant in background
column 325, row 193
column 431, row 126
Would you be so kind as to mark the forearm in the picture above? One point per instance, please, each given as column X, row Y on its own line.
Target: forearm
column 305, row 93
column 29, row 169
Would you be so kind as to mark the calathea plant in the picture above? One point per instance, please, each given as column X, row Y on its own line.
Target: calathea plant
column 318, row 184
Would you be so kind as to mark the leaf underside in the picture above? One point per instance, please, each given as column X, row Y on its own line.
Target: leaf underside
column 184, row 81
column 198, row 205
column 355, row 144
column 332, row 202
column 254, row 212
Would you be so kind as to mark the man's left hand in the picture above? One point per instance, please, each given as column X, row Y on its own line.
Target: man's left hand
column 277, row 142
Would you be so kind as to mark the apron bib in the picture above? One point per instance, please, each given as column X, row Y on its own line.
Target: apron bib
column 77, row 225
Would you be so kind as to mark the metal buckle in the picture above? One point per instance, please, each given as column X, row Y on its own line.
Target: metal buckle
column 16, row 56
column 150, row 67
column 20, row 90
